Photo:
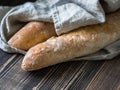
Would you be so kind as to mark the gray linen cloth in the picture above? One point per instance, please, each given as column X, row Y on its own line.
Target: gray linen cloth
column 66, row 16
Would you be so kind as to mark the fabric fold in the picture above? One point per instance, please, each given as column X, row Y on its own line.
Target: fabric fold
column 76, row 13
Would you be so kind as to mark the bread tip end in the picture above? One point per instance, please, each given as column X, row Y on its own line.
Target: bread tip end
column 23, row 67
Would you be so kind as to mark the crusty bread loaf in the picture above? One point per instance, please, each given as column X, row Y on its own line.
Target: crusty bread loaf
column 80, row 42
column 31, row 34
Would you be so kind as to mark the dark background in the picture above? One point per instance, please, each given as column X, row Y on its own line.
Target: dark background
column 13, row 2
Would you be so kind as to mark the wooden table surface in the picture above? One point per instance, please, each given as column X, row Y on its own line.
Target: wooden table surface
column 75, row 75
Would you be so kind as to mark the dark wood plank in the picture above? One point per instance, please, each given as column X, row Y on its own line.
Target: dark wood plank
column 55, row 77
column 19, row 79
column 74, row 75
column 84, row 75
column 108, row 77
column 63, row 75
column 9, row 64
column 4, row 57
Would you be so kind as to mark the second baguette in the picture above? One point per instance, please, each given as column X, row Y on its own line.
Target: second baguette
column 80, row 42
column 31, row 34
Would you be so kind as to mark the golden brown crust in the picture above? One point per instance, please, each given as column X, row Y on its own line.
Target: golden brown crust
column 31, row 34
column 80, row 42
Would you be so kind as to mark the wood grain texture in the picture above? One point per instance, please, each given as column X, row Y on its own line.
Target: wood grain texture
column 4, row 56
column 108, row 76
column 60, row 76
column 74, row 75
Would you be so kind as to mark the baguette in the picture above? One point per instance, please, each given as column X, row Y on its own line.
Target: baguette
column 80, row 42
column 31, row 34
